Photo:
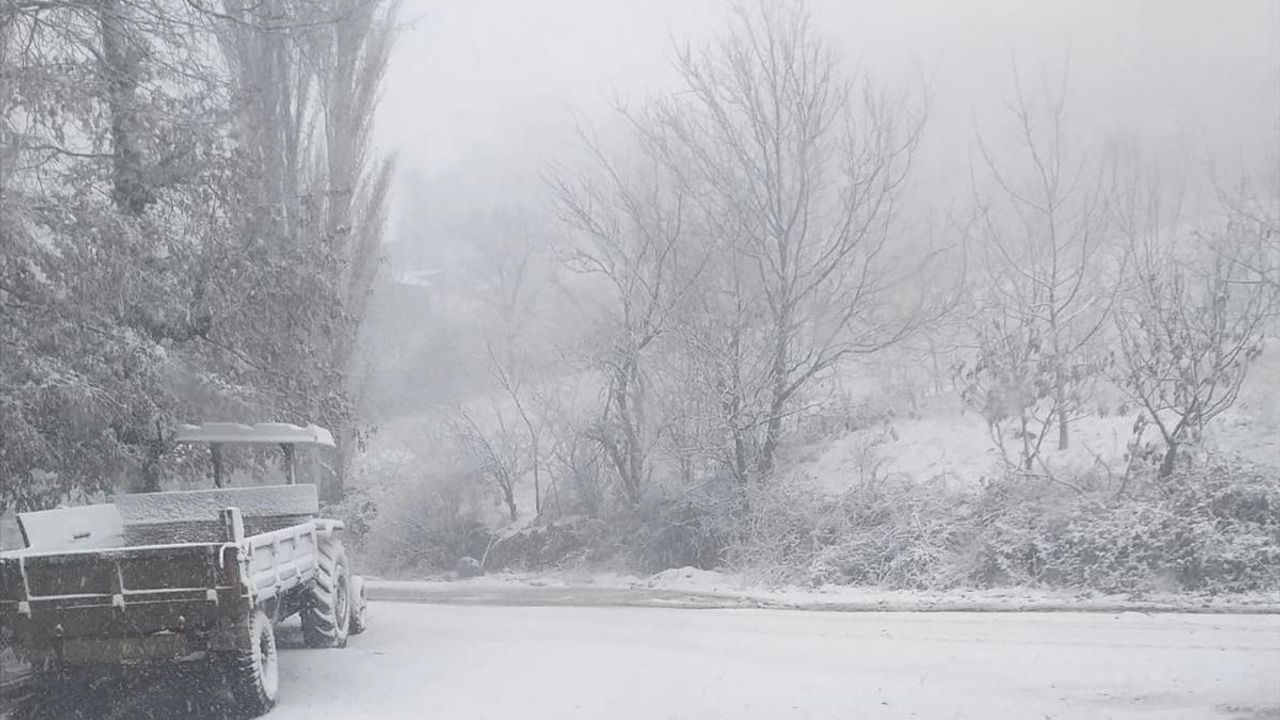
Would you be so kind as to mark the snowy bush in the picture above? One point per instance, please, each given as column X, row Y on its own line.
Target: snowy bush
column 358, row 511
column 428, row 522
column 884, row 532
column 553, row 544
column 1213, row 528
column 688, row 530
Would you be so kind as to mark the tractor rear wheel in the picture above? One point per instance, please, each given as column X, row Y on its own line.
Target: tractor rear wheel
column 326, row 617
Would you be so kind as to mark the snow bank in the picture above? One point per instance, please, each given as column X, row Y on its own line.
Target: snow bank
column 691, row 579
column 692, row 587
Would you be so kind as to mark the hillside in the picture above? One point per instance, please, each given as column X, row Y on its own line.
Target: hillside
column 945, row 441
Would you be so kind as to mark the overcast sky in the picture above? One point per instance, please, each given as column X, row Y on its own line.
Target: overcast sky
column 485, row 88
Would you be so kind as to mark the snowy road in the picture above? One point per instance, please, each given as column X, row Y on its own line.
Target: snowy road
column 535, row 663
column 540, row 662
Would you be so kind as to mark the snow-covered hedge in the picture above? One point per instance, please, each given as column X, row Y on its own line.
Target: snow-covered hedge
column 1212, row 528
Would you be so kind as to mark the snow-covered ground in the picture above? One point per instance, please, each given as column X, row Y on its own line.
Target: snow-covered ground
column 955, row 446
column 536, row 663
column 950, row 442
column 692, row 587
column 495, row 661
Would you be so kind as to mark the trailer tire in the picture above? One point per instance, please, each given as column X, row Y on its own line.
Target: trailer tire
column 326, row 617
column 254, row 673
column 359, row 606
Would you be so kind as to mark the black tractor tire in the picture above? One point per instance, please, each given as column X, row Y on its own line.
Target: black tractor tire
column 359, row 607
column 326, row 616
column 254, row 673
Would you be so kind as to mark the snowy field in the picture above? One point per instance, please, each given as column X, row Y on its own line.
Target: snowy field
column 540, row 663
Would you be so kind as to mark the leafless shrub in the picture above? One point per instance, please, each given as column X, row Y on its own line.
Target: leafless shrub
column 496, row 450
column 1192, row 323
column 430, row 517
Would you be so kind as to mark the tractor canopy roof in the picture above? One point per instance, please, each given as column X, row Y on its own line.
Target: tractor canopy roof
column 266, row 433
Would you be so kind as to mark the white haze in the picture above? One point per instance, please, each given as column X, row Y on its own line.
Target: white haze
column 481, row 94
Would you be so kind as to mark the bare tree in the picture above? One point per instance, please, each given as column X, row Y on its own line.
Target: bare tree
column 496, row 449
column 509, row 371
column 1047, row 296
column 1192, row 323
column 797, row 172
column 630, row 230
column 506, row 260
column 506, row 436
column 1251, row 237
column 581, row 465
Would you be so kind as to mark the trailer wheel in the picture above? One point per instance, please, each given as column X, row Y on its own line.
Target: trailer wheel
column 254, row 674
column 359, row 606
column 326, row 618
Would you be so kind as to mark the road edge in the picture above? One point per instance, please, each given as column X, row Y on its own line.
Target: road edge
column 459, row 593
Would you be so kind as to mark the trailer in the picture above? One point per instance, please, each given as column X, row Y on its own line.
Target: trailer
column 198, row 576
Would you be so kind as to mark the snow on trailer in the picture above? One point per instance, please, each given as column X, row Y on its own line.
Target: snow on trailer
column 191, row 576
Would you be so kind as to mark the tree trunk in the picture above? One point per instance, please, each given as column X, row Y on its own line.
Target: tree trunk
column 732, row 404
column 1026, row 445
column 120, row 69
column 1060, row 400
column 537, row 485
column 631, row 455
column 151, row 471
column 1170, row 459
column 508, row 496
column 778, row 399
column 121, row 65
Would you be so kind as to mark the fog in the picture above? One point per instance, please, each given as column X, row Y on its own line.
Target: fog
column 483, row 102
column 626, row 252
column 486, row 92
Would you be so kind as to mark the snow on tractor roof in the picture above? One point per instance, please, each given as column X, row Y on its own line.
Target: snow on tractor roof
column 272, row 433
